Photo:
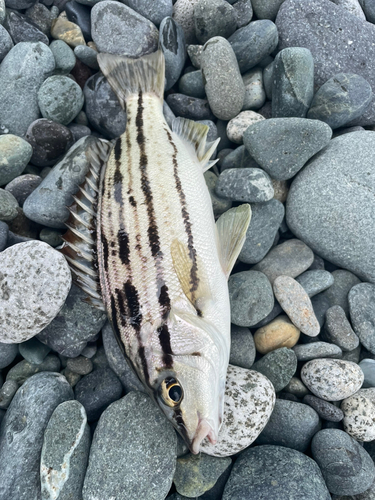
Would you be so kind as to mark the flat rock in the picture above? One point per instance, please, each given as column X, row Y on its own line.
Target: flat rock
column 362, row 313
column 315, row 350
column 214, row 18
column 22, row 186
column 367, row 365
column 23, row 370
column 278, row 333
column 278, row 366
column 315, row 281
column 172, row 41
column 237, row 125
column 242, row 347
column 337, row 294
column 189, row 107
column 327, row 411
column 359, row 415
column 250, row 185
column 338, row 330
column 153, row 11
column 15, row 154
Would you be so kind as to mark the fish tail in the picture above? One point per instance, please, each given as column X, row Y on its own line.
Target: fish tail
column 131, row 76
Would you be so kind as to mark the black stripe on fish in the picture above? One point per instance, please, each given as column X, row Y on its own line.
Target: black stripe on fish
column 114, row 324
column 118, row 150
column 118, row 177
column 164, row 301
column 121, row 306
column 177, row 414
column 123, row 243
column 105, row 250
column 165, row 343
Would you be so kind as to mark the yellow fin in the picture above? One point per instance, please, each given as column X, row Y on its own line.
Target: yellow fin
column 231, row 229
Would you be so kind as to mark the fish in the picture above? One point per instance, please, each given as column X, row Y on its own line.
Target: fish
column 143, row 243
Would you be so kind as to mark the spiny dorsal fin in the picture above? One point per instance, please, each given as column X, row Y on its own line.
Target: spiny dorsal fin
column 195, row 134
column 231, row 229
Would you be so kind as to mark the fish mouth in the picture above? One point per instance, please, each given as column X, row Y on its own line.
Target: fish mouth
column 204, row 430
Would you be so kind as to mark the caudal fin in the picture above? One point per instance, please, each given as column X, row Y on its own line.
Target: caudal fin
column 130, row 76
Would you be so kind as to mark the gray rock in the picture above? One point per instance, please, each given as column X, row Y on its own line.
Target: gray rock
column 338, row 329
column 343, row 98
column 321, row 194
column 240, row 123
column 51, row 236
column 315, row 281
column 76, row 324
column 368, row 368
column 268, row 80
column 4, row 232
column 78, row 131
column 156, row 12
column 352, row 6
column 2, row 11
column 6, row 42
column 8, row 352
column 278, row 366
column 192, row 84
column 22, row 186
column 325, row 410
column 7, row 392
column 100, row 359
column 22, row 29
column 254, row 42
column 255, row 95
column 251, row 297
column 291, row 424
column 293, row 83
column 64, row 57
column 21, row 434
column 125, row 436
column 88, row 56
column 135, row 35
column 15, row 154
column 347, row 468
column 80, row 365
column 65, row 452
column 317, row 264
column 34, row 351
column 293, row 476
column 224, row 87
column 28, row 64
column 369, row 9
column 353, row 355
column 23, row 370
column 41, row 16
column 282, row 146
column 192, row 108
column 266, row 10
column 194, row 53
column 172, row 42
column 314, row 350
column 244, row 12
column 297, row 388
column 183, row 14
column 362, row 313
column 242, row 347
column 337, row 294
column 250, row 185
column 214, row 18
column 238, row 158
column 219, row 204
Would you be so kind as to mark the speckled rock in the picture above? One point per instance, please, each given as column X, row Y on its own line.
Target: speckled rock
column 192, row 84
column 367, row 365
column 6, row 42
column 242, row 347
column 195, row 52
column 315, row 281
column 359, row 415
column 183, row 14
column 7, row 392
column 237, row 125
column 338, row 330
column 64, row 57
column 315, row 350
column 332, row 379
column 172, row 41
column 337, row 294
column 22, row 29
column 8, row 352
column 40, row 15
column 60, row 99
column 250, row 185
column 278, row 366
column 325, row 410
column 214, row 18
column 68, row 32
column 88, row 56
column 279, row 333
column 24, row 369
column 255, row 95
column 362, row 313
column 237, row 158
column 80, row 365
column 15, row 154
column 192, row 108
column 248, row 403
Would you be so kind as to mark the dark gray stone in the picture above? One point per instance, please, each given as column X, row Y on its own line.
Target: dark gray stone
column 34, row 351
column 276, row 310
column 78, row 131
column 7, row 392
column 221, row 126
column 369, row 9
column 338, row 329
column 41, row 16
column 21, row 434
column 192, row 84
column 24, row 369
column 282, row 146
column 347, row 468
column 8, row 206
column 189, row 107
column 315, row 281
column 368, row 368
column 238, row 158
column 214, row 18
column 6, row 42
column 88, row 56
column 362, row 313
column 156, row 12
column 81, row 15
column 291, row 424
column 275, row 472
column 314, row 350
column 22, row 186
column 244, row 12
column 337, row 294
column 254, row 42
column 250, row 185
column 266, row 10
column 325, row 410
column 268, row 80
column 172, row 42
column 4, row 232
column 194, row 53
column 51, row 236
column 278, row 366
column 219, row 205
column 251, row 297
column 242, row 347
column 354, row 355
column 15, row 153
column 136, row 446
column 22, row 29
column 8, row 352
column 337, row 185
column 80, row 365
column 64, row 57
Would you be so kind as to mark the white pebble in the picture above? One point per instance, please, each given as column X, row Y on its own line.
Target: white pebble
column 237, row 125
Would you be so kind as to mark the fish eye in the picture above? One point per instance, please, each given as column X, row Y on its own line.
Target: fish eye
column 171, row 391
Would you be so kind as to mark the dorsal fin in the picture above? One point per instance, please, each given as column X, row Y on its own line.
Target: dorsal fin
column 195, row 134
column 79, row 245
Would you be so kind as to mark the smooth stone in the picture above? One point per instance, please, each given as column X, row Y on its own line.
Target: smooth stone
column 80, row 365
column 338, row 330
column 244, row 12
column 275, row 472
column 359, row 411
column 28, row 64
column 47, row 203
column 189, row 107
column 325, row 410
column 136, row 446
column 278, row 366
column 51, row 236
column 278, row 333
column 156, row 12
column 7, row 392
column 242, row 347
column 76, row 324
column 366, row 495
column 2, row 11
column 23, row 370
column 172, row 42
column 282, row 146
column 332, row 379
column 100, row 359
column 368, row 368
column 8, row 353
column 369, row 10
column 297, row 388
column 248, row 403
column 194, row 53
column 362, row 313
column 347, row 468
column 6, row 42
column 224, row 86
column 251, row 297
column 41, row 16
column 255, row 95
column 268, row 80
column 352, row 6
column 337, row 294
column 265, row 221
column 72, row 377
column 64, row 57
column 214, row 18
column 315, row 350
column 353, row 355
column 183, row 14
column 196, row 474
column 254, row 42
column 22, row 29
column 78, row 131
column 21, row 434
column 266, row 10
column 291, row 424
column 81, row 15
column 315, row 281
column 68, row 32
column 219, row 204
column 22, row 186
column 65, row 452
column 135, row 35
column 34, row 351
column 192, row 84
column 4, row 233
column 240, row 123
column 15, row 154
column 238, row 158
column 250, row 185
column 276, row 311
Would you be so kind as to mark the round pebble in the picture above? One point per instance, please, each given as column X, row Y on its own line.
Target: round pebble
column 368, row 368
column 362, row 313
column 80, row 365
column 237, row 126
column 34, row 351
column 15, row 154
column 255, row 95
column 172, row 41
column 315, row 350
column 242, row 347
column 250, row 185
column 315, row 281
column 192, row 84
column 325, row 410
column 8, row 206
column 278, row 366
column 64, row 57
column 359, row 415
column 338, row 330
column 279, row 333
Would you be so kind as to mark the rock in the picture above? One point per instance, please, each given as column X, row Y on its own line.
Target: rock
column 315, row 281
column 18, row 4
column 36, row 281
column 64, row 57
column 293, row 83
column 296, row 388
column 265, row 221
column 368, row 368
column 248, row 403
column 4, row 233
column 347, row 468
column 155, row 12
column 315, row 350
column 81, row 15
column 250, row 185
column 21, row 434
column 51, row 236
column 125, row 434
column 359, row 415
column 23, row 370
column 196, row 474
column 6, row 42
column 325, row 410
column 214, row 18
column 65, row 452
column 34, row 351
column 238, row 125
column 172, row 42
column 194, row 53
column 76, row 324
column 78, row 131
column 7, row 392
column 135, row 35
column 266, row 10
column 8, row 352
column 47, row 203
column 15, row 154
column 2, row 11
column 189, row 107
column 22, row 186
column 183, row 14
column 239, row 158
column 255, row 95
column 100, row 359
column 369, row 9
column 338, row 330
column 332, row 379
column 224, row 87
column 244, row 12
column 362, row 313
column 352, row 6
column 343, row 98
column 68, row 32
column 294, row 476
column 254, row 42
column 251, row 297
column 219, row 205
column 41, row 16
column 192, row 84
column 282, row 146
column 278, row 366
column 268, row 80
column 242, row 347
column 291, row 424
column 279, row 333
column 28, row 64
column 337, row 294
column 22, row 29
column 80, row 365
column 72, row 377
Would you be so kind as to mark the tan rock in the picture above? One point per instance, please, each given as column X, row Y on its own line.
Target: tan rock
column 279, row 333
column 281, row 190
column 70, row 33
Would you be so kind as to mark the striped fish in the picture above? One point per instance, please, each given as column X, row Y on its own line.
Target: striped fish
column 143, row 244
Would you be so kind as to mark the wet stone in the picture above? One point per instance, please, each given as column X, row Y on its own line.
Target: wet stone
column 214, row 18
column 22, row 29
column 24, row 369
column 242, row 347
column 315, row 350
column 8, row 352
column 325, row 410
column 250, row 185
column 338, row 330
column 359, row 411
column 239, row 124
column 80, row 365
column 80, row 15
column 7, row 392
column 192, row 108
column 278, row 366
column 255, row 95
column 362, row 313
column 34, row 351
column 337, row 294
column 278, row 333
column 368, row 368
column 315, row 281
column 64, row 57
